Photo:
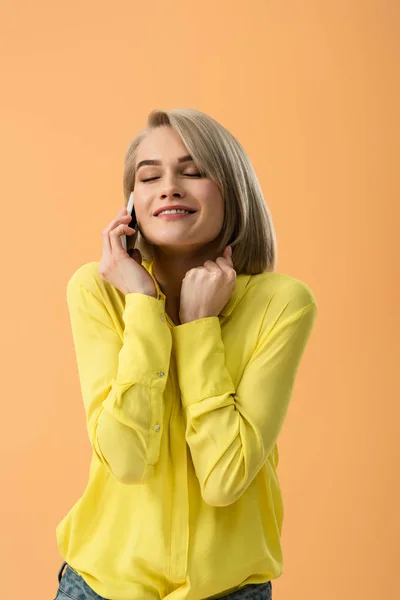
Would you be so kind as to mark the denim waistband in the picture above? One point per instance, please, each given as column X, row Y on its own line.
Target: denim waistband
column 73, row 582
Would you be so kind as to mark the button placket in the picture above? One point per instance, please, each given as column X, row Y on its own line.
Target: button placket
column 157, row 427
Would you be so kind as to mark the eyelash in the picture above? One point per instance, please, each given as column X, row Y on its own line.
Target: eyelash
column 187, row 175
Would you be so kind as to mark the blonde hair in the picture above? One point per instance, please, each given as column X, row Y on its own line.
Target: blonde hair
column 247, row 224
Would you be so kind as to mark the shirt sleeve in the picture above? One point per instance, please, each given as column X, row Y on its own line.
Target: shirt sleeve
column 122, row 378
column 231, row 431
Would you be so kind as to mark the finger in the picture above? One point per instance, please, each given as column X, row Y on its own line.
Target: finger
column 120, row 218
column 211, row 266
column 225, row 259
column 227, row 253
column 115, row 237
column 226, row 266
column 227, row 256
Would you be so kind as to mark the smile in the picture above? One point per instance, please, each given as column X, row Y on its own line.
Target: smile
column 174, row 216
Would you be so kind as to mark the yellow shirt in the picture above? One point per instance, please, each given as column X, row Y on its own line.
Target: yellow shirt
column 183, row 499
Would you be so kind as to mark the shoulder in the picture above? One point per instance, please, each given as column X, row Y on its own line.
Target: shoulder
column 86, row 276
column 281, row 293
column 87, row 291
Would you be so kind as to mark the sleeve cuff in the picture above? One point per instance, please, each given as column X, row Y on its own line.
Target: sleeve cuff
column 147, row 342
column 200, row 359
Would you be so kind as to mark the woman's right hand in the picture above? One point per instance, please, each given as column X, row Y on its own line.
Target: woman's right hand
column 117, row 267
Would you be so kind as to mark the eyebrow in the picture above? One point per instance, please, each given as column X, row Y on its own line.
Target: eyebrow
column 186, row 158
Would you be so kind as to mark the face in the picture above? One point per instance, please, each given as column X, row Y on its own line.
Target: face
column 172, row 183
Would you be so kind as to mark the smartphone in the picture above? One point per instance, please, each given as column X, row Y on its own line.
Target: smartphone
column 132, row 223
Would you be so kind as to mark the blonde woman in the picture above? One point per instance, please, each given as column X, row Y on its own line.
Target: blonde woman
column 187, row 348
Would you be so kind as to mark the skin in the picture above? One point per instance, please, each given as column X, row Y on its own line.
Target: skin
column 183, row 244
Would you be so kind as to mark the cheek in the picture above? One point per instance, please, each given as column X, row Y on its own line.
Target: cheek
column 214, row 217
column 142, row 207
column 217, row 207
column 212, row 199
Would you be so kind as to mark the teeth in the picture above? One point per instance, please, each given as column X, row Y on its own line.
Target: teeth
column 173, row 211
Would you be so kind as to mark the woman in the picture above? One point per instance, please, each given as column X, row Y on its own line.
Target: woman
column 187, row 355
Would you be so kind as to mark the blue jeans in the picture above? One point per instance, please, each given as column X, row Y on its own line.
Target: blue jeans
column 73, row 587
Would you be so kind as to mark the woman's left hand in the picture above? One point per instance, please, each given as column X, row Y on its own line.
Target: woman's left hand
column 206, row 290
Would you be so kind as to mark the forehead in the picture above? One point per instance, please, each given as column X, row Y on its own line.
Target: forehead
column 163, row 142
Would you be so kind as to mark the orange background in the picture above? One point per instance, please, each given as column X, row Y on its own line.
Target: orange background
column 311, row 90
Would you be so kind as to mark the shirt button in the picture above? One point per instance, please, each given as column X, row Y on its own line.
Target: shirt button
column 157, row 428
column 162, row 318
column 161, row 373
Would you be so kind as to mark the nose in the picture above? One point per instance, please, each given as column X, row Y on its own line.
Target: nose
column 170, row 188
column 168, row 194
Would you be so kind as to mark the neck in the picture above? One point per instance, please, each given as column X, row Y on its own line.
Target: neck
column 170, row 267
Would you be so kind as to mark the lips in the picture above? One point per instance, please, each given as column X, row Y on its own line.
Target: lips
column 175, row 216
column 159, row 210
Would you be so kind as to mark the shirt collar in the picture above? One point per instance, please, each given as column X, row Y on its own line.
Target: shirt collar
column 242, row 282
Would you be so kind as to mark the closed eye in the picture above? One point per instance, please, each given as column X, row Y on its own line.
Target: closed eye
column 187, row 175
